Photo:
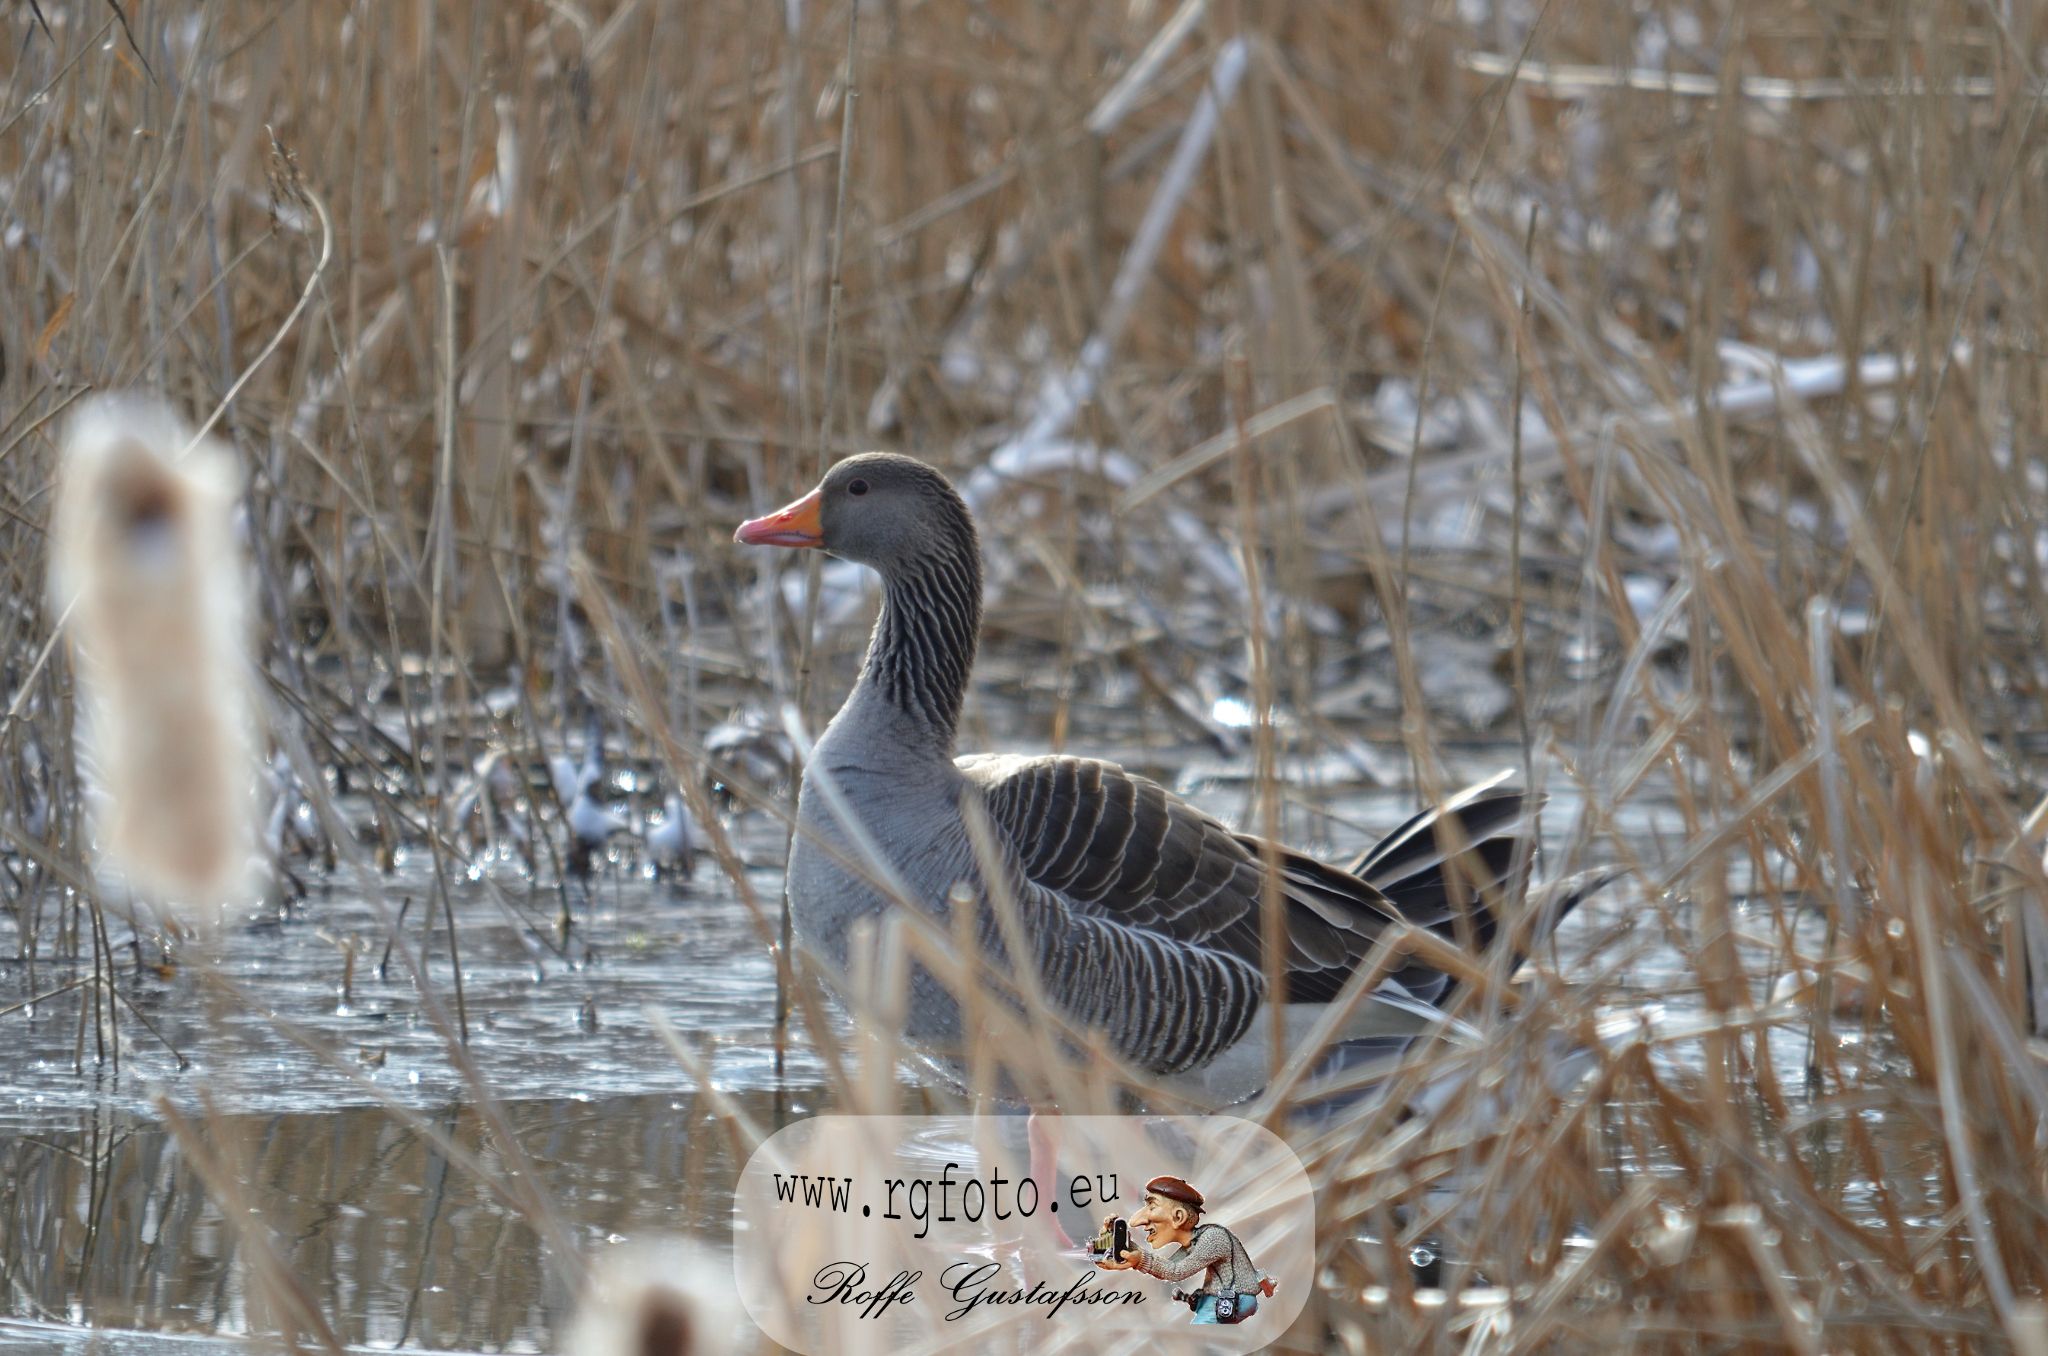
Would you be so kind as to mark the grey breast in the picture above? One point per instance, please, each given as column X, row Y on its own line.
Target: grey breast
column 908, row 816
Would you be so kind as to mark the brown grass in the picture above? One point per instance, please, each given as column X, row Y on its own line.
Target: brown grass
column 559, row 292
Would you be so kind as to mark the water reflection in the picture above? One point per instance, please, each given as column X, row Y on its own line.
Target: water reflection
column 106, row 1222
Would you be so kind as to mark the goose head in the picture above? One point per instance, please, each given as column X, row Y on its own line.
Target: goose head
column 891, row 513
column 906, row 522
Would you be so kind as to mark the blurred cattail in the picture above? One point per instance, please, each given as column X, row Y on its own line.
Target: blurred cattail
column 666, row 1298
column 143, row 565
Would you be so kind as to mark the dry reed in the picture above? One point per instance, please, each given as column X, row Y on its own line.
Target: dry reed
column 1651, row 391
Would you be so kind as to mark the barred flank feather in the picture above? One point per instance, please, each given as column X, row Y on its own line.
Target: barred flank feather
column 143, row 565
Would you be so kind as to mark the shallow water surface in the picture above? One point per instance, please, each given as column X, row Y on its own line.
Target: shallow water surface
column 103, row 1218
column 545, row 1019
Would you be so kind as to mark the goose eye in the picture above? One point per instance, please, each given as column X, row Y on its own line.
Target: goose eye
column 857, row 487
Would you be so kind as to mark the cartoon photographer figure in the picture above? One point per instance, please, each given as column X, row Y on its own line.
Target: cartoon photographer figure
column 1231, row 1285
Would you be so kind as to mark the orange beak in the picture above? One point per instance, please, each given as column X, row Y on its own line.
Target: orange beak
column 797, row 525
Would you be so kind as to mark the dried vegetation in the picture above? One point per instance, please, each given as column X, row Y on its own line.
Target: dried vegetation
column 1653, row 389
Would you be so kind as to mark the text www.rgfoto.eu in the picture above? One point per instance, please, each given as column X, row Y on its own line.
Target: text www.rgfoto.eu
column 974, row 1199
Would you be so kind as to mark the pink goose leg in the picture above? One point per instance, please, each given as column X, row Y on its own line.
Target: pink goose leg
column 1044, row 1137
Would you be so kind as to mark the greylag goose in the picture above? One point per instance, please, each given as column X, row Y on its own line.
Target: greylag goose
column 1143, row 910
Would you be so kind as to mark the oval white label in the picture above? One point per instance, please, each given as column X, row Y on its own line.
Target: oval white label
column 860, row 1232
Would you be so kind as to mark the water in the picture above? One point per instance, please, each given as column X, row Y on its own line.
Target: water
column 103, row 1218
column 545, row 1021
column 107, row 1223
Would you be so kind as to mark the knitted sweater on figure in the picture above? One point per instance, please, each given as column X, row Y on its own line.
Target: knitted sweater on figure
column 1213, row 1250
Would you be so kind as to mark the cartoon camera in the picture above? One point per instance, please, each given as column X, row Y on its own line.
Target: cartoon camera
column 1114, row 1240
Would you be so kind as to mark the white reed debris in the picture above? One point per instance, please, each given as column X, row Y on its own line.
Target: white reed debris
column 1065, row 391
column 666, row 1297
column 145, row 575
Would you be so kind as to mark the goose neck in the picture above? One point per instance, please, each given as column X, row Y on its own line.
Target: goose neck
column 922, row 649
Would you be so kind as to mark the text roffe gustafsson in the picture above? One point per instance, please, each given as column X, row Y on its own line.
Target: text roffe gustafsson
column 968, row 1282
column 974, row 1283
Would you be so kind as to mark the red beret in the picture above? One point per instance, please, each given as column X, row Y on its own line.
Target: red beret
column 1174, row 1189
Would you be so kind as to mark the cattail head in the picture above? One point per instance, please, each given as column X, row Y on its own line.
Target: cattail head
column 145, row 575
column 668, row 1298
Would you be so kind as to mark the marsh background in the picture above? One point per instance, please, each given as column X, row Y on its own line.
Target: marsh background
column 1357, row 397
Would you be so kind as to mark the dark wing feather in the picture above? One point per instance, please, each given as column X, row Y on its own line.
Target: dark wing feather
column 1120, row 847
column 1145, row 886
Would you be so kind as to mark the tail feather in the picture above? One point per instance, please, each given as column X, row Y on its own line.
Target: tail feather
column 1414, row 846
column 1481, row 838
